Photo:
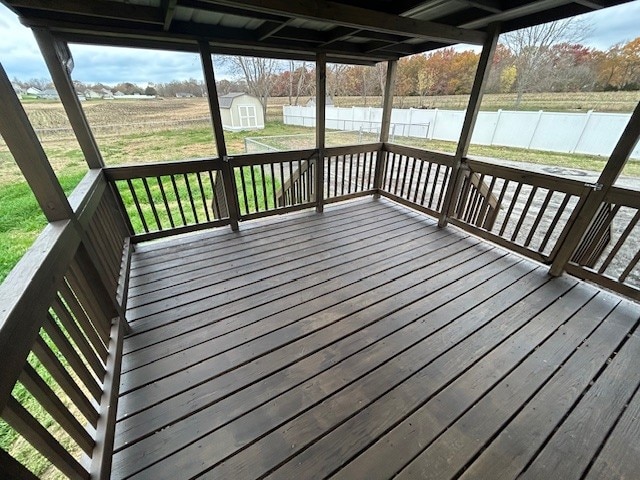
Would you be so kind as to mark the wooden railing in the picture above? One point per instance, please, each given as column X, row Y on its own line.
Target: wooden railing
column 273, row 183
column 61, row 333
column 162, row 199
column 609, row 253
column 416, row 178
column 522, row 210
column 350, row 171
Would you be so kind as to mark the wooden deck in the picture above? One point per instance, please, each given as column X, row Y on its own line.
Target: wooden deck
column 367, row 343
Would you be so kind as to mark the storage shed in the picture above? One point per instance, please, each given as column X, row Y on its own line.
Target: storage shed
column 241, row 111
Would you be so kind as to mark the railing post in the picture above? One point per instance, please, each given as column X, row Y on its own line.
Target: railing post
column 227, row 184
column 574, row 231
column 53, row 50
column 471, row 115
column 387, row 107
column 321, row 97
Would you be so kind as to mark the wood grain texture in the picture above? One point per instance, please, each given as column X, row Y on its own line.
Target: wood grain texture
column 360, row 343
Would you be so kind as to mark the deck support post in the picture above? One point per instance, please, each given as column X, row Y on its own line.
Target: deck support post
column 57, row 56
column 321, row 101
column 27, row 151
column 32, row 160
column 226, row 188
column 471, row 115
column 574, row 232
column 387, row 107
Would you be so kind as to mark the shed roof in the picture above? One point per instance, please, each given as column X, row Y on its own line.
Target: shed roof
column 343, row 29
column 225, row 101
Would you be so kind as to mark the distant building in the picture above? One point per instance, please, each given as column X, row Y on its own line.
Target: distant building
column 184, row 95
column 328, row 102
column 92, row 95
column 48, row 94
column 241, row 111
column 33, row 91
column 118, row 94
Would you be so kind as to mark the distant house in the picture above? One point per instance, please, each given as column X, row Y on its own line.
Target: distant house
column 118, row 94
column 241, row 111
column 106, row 94
column 328, row 102
column 92, row 95
column 184, row 95
column 33, row 91
column 48, row 94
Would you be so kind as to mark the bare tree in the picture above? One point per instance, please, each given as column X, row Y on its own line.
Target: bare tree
column 530, row 48
column 259, row 73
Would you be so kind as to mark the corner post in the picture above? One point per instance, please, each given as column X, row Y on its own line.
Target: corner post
column 471, row 115
column 387, row 107
column 216, row 119
column 575, row 231
column 321, row 97
column 58, row 58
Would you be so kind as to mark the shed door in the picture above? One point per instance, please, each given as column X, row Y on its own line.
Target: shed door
column 248, row 117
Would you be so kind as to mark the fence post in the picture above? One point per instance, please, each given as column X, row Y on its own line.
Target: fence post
column 584, row 129
column 535, row 129
column 574, row 232
column 435, row 117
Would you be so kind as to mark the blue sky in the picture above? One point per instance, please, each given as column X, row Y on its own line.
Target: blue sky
column 21, row 58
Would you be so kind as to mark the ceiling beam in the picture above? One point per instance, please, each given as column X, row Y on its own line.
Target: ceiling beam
column 206, row 6
column 268, row 29
column 492, row 6
column 516, row 12
column 594, row 4
column 169, row 7
column 96, row 8
column 360, row 18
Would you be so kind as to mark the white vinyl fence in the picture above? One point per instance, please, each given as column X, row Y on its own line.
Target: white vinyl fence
column 590, row 133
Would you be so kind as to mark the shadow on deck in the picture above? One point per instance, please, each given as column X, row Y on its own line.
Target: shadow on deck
column 367, row 343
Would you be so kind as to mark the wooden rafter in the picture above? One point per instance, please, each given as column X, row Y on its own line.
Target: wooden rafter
column 96, row 8
column 362, row 18
column 169, row 7
column 515, row 12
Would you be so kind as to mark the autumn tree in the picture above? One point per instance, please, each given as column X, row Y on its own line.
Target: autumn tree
column 531, row 49
column 258, row 73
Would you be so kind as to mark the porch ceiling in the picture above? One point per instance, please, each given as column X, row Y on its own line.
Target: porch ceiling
column 345, row 31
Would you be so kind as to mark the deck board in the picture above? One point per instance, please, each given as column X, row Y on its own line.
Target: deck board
column 365, row 342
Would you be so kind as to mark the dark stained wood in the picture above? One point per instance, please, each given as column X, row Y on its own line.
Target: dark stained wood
column 620, row 456
column 471, row 114
column 321, row 100
column 612, row 170
column 22, row 421
column 11, row 469
column 54, row 52
column 368, row 342
column 20, row 137
column 101, row 458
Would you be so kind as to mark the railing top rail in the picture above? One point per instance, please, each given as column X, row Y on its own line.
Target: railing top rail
column 128, row 172
column 271, row 157
column 349, row 149
column 431, row 156
column 623, row 196
column 521, row 175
